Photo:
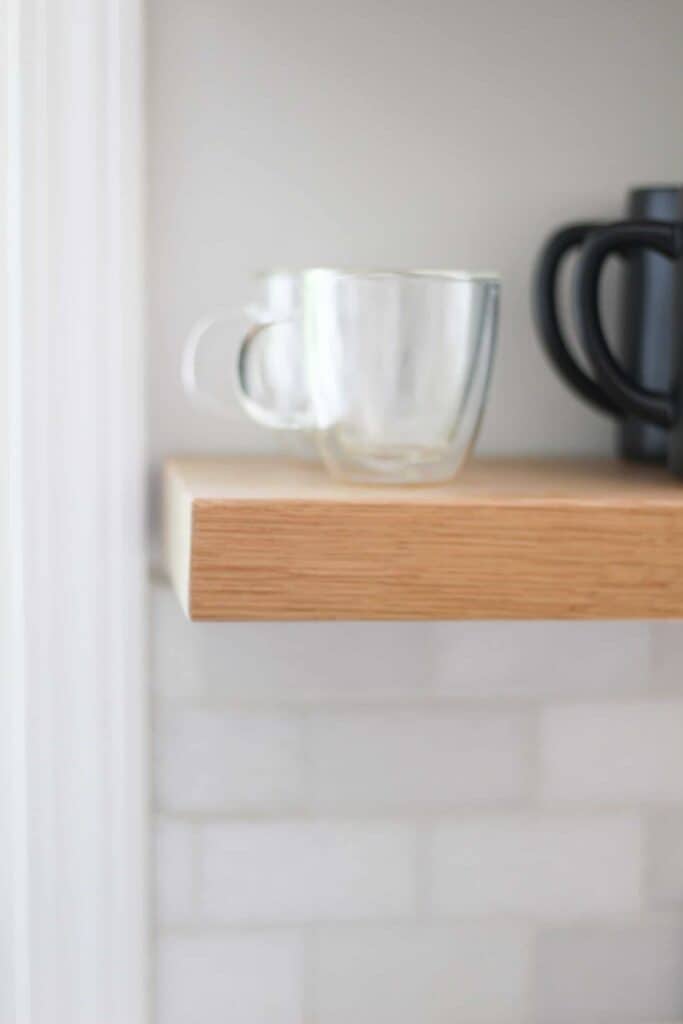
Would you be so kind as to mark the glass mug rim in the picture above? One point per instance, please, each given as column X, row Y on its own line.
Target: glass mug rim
column 370, row 273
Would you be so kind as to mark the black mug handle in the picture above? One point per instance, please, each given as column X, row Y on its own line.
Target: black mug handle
column 658, row 407
column 547, row 319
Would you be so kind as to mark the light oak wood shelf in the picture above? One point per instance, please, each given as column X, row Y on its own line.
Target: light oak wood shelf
column 256, row 538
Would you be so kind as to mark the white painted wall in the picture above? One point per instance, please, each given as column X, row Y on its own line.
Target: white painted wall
column 433, row 822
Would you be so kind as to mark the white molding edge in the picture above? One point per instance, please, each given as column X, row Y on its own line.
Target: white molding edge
column 73, row 731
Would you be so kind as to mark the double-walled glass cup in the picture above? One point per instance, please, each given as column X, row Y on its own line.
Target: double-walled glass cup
column 392, row 370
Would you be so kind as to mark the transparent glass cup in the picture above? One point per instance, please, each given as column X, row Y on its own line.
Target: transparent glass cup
column 392, row 370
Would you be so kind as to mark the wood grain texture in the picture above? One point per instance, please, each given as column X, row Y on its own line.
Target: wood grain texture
column 250, row 538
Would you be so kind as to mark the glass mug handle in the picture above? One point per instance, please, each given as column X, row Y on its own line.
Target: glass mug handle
column 238, row 323
column 547, row 319
column 657, row 407
column 258, row 389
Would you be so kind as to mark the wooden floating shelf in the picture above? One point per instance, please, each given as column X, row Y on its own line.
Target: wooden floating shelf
column 256, row 538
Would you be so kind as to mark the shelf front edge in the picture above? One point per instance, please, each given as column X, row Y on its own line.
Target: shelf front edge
column 302, row 559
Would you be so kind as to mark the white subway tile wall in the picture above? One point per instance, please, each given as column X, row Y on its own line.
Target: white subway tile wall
column 628, row 971
column 550, row 867
column 665, row 860
column 231, row 978
column 307, row 871
column 175, row 859
column 412, row 759
column 411, row 973
column 598, row 752
column 478, row 823
column 228, row 760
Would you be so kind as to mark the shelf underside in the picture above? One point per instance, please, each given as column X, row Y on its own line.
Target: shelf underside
column 252, row 538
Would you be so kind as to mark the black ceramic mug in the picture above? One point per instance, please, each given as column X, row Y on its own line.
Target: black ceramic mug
column 646, row 317
column 662, row 407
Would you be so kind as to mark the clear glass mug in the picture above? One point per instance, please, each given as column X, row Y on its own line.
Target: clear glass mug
column 388, row 370
column 396, row 366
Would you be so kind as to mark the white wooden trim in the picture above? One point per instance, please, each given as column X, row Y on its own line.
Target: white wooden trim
column 75, row 724
column 13, row 889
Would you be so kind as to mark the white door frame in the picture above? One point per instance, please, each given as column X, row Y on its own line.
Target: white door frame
column 73, row 732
